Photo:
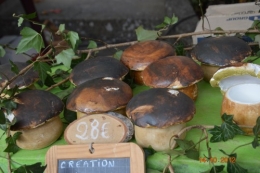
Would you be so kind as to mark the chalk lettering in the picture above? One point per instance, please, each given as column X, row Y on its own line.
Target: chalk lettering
column 62, row 165
column 71, row 164
column 104, row 163
column 83, row 136
column 94, row 130
column 104, row 130
column 78, row 163
column 85, row 164
column 93, row 162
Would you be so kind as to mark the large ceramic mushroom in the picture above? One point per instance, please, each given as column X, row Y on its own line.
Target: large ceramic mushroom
column 138, row 56
column 98, row 96
column 37, row 117
column 177, row 72
column 159, row 114
column 97, row 67
column 215, row 52
column 22, row 81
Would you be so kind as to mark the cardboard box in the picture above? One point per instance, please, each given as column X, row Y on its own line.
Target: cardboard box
column 228, row 17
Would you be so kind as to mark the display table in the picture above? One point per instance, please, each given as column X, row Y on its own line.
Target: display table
column 208, row 105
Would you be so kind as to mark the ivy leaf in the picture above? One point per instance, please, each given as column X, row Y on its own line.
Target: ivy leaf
column 61, row 29
column 92, row 44
column 73, row 38
column 118, row 54
column 218, row 168
column 14, row 67
column 26, row 16
column 227, row 130
column 143, row 35
column 233, row 166
column 257, row 39
column 34, row 168
column 216, row 134
column 167, row 22
column 30, row 39
column 2, row 117
column 65, row 57
column 189, row 148
column 256, row 131
column 11, row 143
column 20, row 21
column 42, row 68
column 2, row 51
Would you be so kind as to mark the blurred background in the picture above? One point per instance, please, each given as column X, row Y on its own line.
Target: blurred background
column 112, row 21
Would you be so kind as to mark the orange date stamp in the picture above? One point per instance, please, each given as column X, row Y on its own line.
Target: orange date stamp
column 217, row 160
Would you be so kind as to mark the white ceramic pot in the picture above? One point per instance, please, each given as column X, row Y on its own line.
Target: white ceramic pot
column 243, row 102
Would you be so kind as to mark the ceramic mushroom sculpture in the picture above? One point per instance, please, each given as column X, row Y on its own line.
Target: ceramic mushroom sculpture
column 138, row 56
column 215, row 52
column 159, row 114
column 177, row 72
column 239, row 73
column 97, row 67
column 23, row 81
column 37, row 118
column 98, row 96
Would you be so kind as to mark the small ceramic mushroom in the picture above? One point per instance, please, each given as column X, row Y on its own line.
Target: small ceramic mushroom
column 159, row 114
column 37, row 117
column 97, row 67
column 215, row 52
column 98, row 96
column 177, row 72
column 138, row 56
column 235, row 74
column 22, row 81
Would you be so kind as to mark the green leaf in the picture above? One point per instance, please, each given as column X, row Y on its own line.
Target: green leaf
column 185, row 144
column 227, row 130
column 167, row 22
column 29, row 16
column 14, row 67
column 2, row 117
column 92, row 44
column 20, row 21
column 11, row 143
column 73, row 38
column 216, row 134
column 256, row 131
column 143, row 35
column 193, row 154
column 65, row 57
column 233, row 166
column 61, row 28
column 218, row 168
column 42, row 68
column 30, row 39
column 2, row 51
column 118, row 54
column 34, row 168
column 257, row 39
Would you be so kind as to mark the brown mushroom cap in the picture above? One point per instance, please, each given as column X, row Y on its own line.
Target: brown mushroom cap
column 172, row 72
column 99, row 95
column 141, row 54
column 34, row 108
column 22, row 81
column 221, row 51
column 98, row 67
column 160, row 107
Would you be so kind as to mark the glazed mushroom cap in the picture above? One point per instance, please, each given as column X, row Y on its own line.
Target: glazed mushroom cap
column 160, row 108
column 221, row 51
column 172, row 72
column 22, row 81
column 239, row 73
column 35, row 108
column 99, row 95
column 97, row 67
column 141, row 54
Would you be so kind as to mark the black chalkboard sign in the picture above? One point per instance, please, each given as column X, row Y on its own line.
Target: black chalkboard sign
column 95, row 158
column 106, row 165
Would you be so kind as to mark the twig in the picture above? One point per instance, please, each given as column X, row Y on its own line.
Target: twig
column 169, row 37
column 57, row 84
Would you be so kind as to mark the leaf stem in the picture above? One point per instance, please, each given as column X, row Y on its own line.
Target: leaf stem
column 240, row 146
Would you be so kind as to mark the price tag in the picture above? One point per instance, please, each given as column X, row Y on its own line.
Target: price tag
column 116, row 158
column 108, row 127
